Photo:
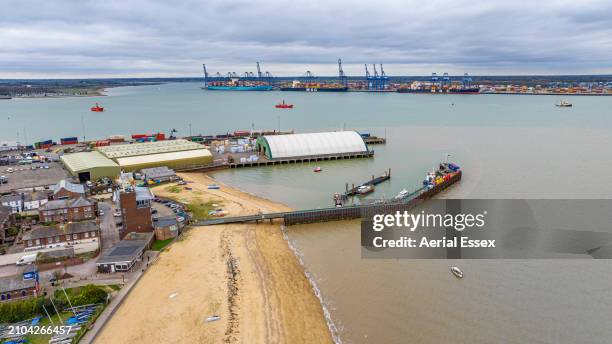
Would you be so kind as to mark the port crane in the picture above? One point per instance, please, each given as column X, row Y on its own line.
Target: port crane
column 467, row 80
column 434, row 80
column 205, row 75
column 172, row 131
column 446, row 81
column 384, row 79
column 341, row 76
column 377, row 81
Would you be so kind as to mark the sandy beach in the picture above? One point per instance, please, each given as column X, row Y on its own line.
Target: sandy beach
column 244, row 273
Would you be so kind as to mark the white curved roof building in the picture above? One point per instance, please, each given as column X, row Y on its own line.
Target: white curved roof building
column 310, row 144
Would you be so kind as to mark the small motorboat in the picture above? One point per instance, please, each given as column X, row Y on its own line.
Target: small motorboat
column 456, row 271
column 214, row 187
column 563, row 103
column 365, row 189
column 284, row 105
column 402, row 194
column 318, row 169
column 97, row 108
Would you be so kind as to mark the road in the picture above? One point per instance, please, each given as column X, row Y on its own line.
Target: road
column 109, row 232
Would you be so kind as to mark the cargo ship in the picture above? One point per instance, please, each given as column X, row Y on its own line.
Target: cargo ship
column 314, row 87
column 240, row 88
column 434, row 90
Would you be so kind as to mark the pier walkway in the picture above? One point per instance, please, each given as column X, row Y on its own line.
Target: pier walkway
column 341, row 213
column 374, row 181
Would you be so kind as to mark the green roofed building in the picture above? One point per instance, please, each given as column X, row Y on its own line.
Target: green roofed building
column 90, row 166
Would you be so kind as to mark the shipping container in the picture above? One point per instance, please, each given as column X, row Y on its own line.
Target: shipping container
column 69, row 140
column 116, row 138
column 140, row 136
column 242, row 133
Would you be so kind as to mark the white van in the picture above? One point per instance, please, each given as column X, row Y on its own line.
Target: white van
column 27, row 259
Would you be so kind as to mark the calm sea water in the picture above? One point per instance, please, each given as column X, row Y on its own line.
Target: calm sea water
column 508, row 146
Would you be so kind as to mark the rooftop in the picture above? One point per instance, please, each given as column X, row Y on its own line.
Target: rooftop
column 163, row 156
column 136, row 149
column 66, row 204
column 57, row 230
column 157, row 172
column 165, row 221
column 86, row 160
column 71, row 187
column 127, row 249
column 16, row 282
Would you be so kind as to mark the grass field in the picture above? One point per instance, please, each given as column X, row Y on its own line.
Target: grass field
column 158, row 245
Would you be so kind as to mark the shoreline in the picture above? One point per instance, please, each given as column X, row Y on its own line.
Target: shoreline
column 245, row 273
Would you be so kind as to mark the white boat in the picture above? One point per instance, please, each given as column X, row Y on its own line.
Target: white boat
column 456, row 271
column 213, row 318
column 365, row 189
column 402, row 194
column 563, row 103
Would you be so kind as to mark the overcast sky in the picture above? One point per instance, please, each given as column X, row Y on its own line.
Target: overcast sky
column 152, row 38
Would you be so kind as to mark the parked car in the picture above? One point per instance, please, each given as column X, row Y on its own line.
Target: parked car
column 117, row 213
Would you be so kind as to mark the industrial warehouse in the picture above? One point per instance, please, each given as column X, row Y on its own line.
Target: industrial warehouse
column 311, row 145
column 90, row 166
column 108, row 161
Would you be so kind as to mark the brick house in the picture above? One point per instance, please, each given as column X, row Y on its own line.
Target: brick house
column 16, row 288
column 135, row 205
column 166, row 227
column 68, row 210
column 67, row 190
column 59, row 235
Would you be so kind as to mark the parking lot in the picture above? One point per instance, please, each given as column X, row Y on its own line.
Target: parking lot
column 31, row 175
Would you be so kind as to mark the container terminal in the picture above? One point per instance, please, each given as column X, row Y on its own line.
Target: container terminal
column 376, row 80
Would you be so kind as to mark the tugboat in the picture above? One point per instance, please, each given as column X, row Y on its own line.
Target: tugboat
column 97, row 108
column 563, row 103
column 284, row 105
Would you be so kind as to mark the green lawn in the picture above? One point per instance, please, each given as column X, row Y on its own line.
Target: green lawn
column 199, row 209
column 173, row 188
column 158, row 245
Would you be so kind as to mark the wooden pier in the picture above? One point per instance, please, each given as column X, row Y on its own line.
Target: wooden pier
column 374, row 181
column 342, row 213
column 375, row 140
column 295, row 160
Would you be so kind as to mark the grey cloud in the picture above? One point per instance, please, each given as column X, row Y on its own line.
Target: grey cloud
column 163, row 38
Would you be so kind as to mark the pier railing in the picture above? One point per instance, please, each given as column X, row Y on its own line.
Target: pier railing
column 342, row 213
